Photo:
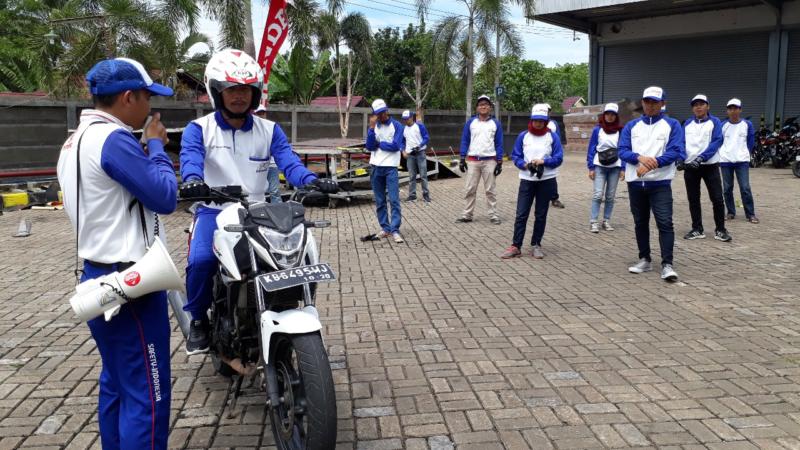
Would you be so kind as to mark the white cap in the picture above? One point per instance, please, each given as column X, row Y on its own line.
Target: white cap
column 699, row 98
column 539, row 112
column 379, row 106
column 547, row 105
column 261, row 108
column 406, row 114
column 611, row 107
column 654, row 93
column 485, row 97
column 735, row 102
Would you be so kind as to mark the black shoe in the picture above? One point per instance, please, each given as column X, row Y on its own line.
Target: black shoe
column 197, row 342
column 463, row 220
column 427, row 198
column 557, row 204
column 694, row 234
column 411, row 199
column 722, row 236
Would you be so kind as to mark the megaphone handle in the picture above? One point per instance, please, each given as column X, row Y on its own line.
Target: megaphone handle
column 116, row 290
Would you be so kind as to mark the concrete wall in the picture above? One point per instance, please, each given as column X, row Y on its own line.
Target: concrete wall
column 32, row 130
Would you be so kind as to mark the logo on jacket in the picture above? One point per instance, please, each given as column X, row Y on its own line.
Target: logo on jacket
column 132, row 278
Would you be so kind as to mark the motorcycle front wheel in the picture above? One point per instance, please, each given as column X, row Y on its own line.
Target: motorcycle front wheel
column 306, row 417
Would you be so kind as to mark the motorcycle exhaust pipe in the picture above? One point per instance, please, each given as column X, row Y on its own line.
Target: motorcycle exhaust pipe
column 177, row 300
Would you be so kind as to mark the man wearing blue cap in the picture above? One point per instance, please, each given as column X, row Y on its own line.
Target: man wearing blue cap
column 416, row 136
column 650, row 146
column 113, row 189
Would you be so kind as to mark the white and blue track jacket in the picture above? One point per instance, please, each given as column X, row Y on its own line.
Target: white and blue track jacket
column 416, row 136
column 600, row 142
column 529, row 147
column 220, row 155
column 385, row 141
column 659, row 137
column 703, row 138
column 115, row 173
column 482, row 139
column 738, row 141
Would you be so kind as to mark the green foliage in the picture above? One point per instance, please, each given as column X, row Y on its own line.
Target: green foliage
column 529, row 82
column 300, row 78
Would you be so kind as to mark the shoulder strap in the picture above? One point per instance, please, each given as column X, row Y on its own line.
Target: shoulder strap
column 78, row 271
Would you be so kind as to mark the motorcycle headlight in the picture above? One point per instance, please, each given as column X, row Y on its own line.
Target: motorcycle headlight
column 285, row 248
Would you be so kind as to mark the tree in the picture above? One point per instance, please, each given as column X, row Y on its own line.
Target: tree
column 67, row 37
column 235, row 23
column 507, row 38
column 458, row 38
column 352, row 31
column 300, row 78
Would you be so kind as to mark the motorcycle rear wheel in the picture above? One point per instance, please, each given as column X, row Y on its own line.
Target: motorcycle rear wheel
column 306, row 419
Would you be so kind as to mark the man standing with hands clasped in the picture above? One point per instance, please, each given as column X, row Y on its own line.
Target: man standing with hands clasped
column 650, row 145
column 703, row 136
column 481, row 157
column 385, row 141
column 113, row 189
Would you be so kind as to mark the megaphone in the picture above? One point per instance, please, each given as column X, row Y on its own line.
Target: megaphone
column 106, row 294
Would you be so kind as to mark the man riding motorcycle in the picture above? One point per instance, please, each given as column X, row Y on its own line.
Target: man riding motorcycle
column 229, row 147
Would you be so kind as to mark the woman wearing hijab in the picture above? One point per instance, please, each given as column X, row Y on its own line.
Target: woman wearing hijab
column 605, row 166
column 537, row 154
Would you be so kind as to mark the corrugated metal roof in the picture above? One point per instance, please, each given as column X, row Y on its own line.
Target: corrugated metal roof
column 557, row 6
column 584, row 15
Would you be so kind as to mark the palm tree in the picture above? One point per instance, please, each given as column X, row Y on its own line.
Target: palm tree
column 507, row 38
column 81, row 32
column 300, row 78
column 352, row 31
column 459, row 37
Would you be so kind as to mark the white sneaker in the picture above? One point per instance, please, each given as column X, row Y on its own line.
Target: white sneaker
column 594, row 227
column 642, row 266
column 397, row 238
column 607, row 226
column 668, row 273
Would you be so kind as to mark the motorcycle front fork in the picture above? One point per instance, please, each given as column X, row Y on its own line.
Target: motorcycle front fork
column 270, row 374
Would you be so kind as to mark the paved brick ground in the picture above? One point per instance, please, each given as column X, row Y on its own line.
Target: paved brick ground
column 438, row 344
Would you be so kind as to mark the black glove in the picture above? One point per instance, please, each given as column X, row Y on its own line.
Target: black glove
column 462, row 165
column 693, row 165
column 498, row 168
column 680, row 165
column 193, row 188
column 535, row 170
column 326, row 185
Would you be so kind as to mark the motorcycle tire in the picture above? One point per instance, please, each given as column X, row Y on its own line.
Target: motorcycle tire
column 796, row 169
column 778, row 162
column 306, row 420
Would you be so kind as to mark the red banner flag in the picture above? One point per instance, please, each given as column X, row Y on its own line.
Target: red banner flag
column 275, row 32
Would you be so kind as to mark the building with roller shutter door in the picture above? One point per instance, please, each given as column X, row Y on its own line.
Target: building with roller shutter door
column 723, row 48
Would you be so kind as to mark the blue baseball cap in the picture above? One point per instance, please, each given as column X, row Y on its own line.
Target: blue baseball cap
column 112, row 76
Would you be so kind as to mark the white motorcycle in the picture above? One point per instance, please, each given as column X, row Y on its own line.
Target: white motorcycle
column 263, row 318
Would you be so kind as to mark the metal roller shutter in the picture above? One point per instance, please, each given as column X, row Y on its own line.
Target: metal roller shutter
column 719, row 66
column 791, row 105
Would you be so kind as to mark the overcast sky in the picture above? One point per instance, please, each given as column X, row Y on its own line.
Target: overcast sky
column 546, row 43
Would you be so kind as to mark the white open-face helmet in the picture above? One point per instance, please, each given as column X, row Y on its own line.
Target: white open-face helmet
column 231, row 68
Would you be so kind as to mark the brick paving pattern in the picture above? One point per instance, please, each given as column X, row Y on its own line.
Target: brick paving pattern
column 438, row 344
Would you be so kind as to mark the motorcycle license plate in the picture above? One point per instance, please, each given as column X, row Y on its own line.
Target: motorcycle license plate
column 283, row 279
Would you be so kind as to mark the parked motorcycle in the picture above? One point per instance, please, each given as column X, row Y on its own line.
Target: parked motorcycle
column 796, row 163
column 264, row 322
column 781, row 146
column 760, row 154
